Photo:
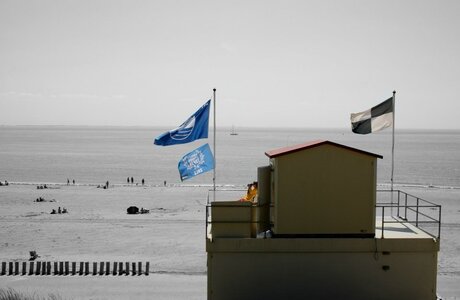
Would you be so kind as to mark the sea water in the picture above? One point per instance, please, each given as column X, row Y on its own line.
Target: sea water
column 93, row 155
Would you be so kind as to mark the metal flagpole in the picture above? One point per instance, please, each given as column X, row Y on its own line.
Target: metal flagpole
column 393, row 151
column 214, row 146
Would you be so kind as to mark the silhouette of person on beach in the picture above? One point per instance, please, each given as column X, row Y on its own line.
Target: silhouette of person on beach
column 127, row 180
column 73, row 181
column 143, row 181
column 132, row 180
column 59, row 210
column 68, row 181
column 107, row 184
column 164, row 183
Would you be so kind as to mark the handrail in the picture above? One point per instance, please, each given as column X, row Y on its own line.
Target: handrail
column 419, row 208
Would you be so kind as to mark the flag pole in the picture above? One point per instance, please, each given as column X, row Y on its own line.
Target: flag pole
column 214, row 148
column 393, row 150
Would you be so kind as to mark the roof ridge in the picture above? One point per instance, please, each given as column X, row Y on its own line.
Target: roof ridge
column 312, row 144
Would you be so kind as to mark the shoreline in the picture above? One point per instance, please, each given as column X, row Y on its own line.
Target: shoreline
column 60, row 184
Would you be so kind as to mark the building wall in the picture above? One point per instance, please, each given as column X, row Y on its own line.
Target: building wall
column 324, row 190
column 269, row 271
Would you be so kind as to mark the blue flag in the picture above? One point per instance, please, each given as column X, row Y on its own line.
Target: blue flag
column 196, row 127
column 196, row 162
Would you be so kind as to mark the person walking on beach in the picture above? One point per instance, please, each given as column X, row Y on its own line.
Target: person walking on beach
column 143, row 181
column 107, row 184
column 127, row 180
column 132, row 180
column 73, row 181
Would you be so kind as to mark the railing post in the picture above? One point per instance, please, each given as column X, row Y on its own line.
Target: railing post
column 383, row 219
column 206, row 220
column 399, row 193
column 416, row 214
column 405, row 207
column 439, row 224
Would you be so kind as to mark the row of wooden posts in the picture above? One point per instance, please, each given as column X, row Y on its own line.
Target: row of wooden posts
column 72, row 268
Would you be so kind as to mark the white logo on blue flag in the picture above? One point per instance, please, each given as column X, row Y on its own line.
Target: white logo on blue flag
column 194, row 128
column 184, row 131
column 196, row 162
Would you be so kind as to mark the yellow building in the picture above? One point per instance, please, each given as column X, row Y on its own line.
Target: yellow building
column 323, row 188
column 317, row 231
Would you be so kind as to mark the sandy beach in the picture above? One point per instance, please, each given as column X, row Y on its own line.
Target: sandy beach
column 171, row 237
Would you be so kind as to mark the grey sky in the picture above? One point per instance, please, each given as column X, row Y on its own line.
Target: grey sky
column 274, row 63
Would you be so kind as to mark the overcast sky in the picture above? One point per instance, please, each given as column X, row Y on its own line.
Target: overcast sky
column 305, row 64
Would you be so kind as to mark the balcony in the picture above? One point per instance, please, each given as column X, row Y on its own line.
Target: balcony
column 398, row 215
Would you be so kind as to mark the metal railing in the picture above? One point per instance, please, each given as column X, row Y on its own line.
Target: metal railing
column 401, row 207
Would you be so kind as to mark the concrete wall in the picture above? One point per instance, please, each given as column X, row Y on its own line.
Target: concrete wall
column 324, row 190
column 296, row 269
column 232, row 219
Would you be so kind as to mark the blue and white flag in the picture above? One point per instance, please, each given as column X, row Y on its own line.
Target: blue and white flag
column 196, row 162
column 194, row 128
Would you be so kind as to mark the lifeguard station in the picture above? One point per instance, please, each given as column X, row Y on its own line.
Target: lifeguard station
column 318, row 231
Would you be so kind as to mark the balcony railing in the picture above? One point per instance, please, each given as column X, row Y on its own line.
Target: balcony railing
column 400, row 207
column 392, row 207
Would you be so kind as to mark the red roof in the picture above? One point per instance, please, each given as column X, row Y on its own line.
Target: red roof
column 312, row 144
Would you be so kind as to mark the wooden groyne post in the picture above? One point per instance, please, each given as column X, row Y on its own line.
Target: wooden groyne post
column 63, row 268
column 101, row 268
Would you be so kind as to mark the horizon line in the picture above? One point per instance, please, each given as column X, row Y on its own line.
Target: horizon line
column 223, row 126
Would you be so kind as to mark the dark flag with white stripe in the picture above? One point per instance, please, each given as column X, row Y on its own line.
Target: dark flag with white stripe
column 377, row 118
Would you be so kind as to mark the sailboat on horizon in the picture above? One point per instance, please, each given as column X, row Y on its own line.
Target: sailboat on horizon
column 233, row 131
